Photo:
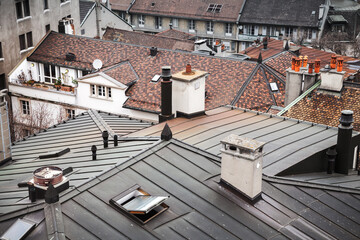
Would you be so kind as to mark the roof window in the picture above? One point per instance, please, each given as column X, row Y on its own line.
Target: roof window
column 274, row 87
column 214, row 8
column 139, row 204
column 19, row 229
column 155, row 78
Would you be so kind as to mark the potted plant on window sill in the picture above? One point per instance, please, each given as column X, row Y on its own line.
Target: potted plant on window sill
column 66, row 88
column 57, row 84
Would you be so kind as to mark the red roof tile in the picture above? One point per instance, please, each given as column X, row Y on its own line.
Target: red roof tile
column 176, row 34
column 149, row 40
column 325, row 108
column 226, row 76
column 122, row 72
column 189, row 9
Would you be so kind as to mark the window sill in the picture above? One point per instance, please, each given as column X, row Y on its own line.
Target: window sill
column 141, row 25
column 64, row 3
column 46, row 10
column 102, row 98
column 1, row 59
column 210, row 33
column 26, row 50
column 191, row 30
column 228, row 34
column 24, row 19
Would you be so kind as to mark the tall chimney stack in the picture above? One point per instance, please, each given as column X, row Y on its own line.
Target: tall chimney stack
column 189, row 92
column 344, row 159
column 166, row 95
column 241, row 164
column 5, row 139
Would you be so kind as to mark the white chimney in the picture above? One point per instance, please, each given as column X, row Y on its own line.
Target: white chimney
column 331, row 80
column 241, row 164
column 5, row 140
column 188, row 90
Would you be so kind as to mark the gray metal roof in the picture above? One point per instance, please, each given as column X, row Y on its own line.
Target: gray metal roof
column 79, row 135
column 199, row 208
column 288, row 141
column 85, row 7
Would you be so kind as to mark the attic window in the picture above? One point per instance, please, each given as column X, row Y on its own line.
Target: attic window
column 155, row 78
column 19, row 229
column 139, row 204
column 214, row 8
column 274, row 87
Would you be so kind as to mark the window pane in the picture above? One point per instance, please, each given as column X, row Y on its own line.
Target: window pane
column 109, row 92
column 1, row 53
column 46, row 4
column 47, row 28
column 53, row 72
column 19, row 13
column 29, row 39
column 26, row 8
column 22, row 42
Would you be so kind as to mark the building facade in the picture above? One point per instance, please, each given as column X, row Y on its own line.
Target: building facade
column 24, row 22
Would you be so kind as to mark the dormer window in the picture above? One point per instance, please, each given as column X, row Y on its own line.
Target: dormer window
column 139, row 204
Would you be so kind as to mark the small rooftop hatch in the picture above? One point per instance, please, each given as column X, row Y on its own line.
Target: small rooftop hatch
column 18, row 230
column 216, row 8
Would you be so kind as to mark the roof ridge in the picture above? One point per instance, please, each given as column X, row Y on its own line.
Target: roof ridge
column 100, row 122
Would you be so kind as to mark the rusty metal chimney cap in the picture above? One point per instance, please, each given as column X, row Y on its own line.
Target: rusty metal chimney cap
column 346, row 117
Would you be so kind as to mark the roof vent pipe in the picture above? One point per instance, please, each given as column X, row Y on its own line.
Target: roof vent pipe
column 115, row 140
column 105, row 136
column 93, row 150
column 344, row 159
column 153, row 51
column 331, row 154
column 166, row 95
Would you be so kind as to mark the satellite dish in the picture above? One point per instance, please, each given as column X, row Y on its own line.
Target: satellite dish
column 97, row 64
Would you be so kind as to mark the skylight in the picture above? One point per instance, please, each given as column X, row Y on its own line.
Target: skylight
column 18, row 230
column 214, row 8
column 156, row 78
column 139, row 204
column 274, row 87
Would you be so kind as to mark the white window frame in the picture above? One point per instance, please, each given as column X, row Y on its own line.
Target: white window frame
column 70, row 113
column 52, row 78
column 209, row 27
column 158, row 22
column 141, row 20
column 22, row 10
column 228, row 29
column 192, row 25
column 25, row 106
column 174, row 22
column 100, row 91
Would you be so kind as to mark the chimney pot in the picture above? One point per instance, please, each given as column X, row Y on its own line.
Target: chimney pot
column 115, row 140
column 93, row 150
column 331, row 154
column 265, row 42
column 311, row 67
column 293, row 60
column 340, row 64
column 166, row 73
column 333, row 62
column 305, row 61
column 153, row 51
column 297, row 64
column 166, row 94
column 105, row 136
column 188, row 68
column 317, row 65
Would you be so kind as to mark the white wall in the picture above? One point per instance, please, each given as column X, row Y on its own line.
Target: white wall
column 107, row 19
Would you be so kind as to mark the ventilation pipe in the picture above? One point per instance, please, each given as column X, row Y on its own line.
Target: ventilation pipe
column 166, row 95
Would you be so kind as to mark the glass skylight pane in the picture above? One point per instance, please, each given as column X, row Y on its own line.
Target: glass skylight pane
column 18, row 230
column 144, row 203
column 155, row 78
column 274, row 87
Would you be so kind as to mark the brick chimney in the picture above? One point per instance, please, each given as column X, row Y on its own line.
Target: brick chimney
column 345, row 152
column 5, row 140
column 166, row 95
column 298, row 80
column 241, row 164
column 189, row 92
column 332, row 78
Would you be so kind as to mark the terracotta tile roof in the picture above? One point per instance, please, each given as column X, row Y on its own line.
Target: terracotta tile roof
column 122, row 72
column 280, row 60
column 173, row 33
column 189, row 9
column 282, row 12
column 149, row 40
column 259, row 94
column 321, row 107
column 120, row 5
column 224, row 83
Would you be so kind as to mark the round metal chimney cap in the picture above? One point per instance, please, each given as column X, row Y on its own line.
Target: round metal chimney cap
column 346, row 117
column 166, row 72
